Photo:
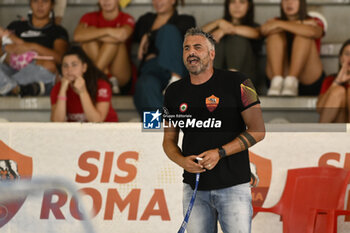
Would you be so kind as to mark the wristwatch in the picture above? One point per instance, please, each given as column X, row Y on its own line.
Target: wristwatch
column 222, row 152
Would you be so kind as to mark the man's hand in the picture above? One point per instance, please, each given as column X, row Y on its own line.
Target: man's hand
column 189, row 164
column 210, row 158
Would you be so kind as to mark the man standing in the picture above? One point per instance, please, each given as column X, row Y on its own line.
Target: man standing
column 220, row 116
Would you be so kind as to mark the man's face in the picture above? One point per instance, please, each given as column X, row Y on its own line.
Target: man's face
column 197, row 55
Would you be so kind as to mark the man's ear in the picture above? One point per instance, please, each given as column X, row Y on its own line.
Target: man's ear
column 212, row 54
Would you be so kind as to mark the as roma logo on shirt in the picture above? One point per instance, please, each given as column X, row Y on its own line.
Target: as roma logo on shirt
column 212, row 102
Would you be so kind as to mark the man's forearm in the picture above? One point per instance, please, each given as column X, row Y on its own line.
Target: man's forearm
column 243, row 142
column 173, row 152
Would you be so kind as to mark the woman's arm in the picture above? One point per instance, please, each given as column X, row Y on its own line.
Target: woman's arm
column 307, row 28
column 269, row 27
column 246, row 31
column 143, row 47
column 84, row 33
column 93, row 113
column 120, row 34
column 59, row 109
column 211, row 26
column 60, row 46
column 222, row 27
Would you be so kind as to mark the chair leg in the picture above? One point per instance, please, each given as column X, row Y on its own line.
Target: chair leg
column 311, row 221
column 331, row 222
column 337, row 213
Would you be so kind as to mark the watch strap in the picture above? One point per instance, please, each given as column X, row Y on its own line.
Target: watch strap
column 222, row 152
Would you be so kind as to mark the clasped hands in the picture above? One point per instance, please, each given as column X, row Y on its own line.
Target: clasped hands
column 206, row 161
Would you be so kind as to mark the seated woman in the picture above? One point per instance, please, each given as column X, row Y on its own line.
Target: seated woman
column 333, row 103
column 160, row 36
column 33, row 49
column 104, row 36
column 237, row 37
column 292, row 47
column 84, row 93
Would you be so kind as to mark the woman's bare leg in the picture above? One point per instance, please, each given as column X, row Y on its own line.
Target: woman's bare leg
column 91, row 49
column 305, row 63
column 121, row 66
column 276, row 45
column 331, row 105
column 106, row 55
column 110, row 57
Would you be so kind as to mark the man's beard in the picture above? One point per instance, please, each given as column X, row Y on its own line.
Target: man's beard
column 198, row 68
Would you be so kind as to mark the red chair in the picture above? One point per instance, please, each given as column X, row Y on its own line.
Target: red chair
column 312, row 199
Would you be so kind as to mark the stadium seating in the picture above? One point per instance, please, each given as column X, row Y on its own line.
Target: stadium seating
column 277, row 109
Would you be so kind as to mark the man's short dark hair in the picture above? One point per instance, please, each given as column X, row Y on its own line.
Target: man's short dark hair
column 195, row 31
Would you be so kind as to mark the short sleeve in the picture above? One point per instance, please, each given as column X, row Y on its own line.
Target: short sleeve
column 54, row 93
column 128, row 20
column 88, row 18
column 321, row 24
column 13, row 27
column 104, row 92
column 248, row 96
column 61, row 33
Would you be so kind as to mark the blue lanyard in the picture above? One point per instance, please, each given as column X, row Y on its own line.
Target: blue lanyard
column 190, row 206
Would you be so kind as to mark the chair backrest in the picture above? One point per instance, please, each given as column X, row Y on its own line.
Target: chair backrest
column 313, row 187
